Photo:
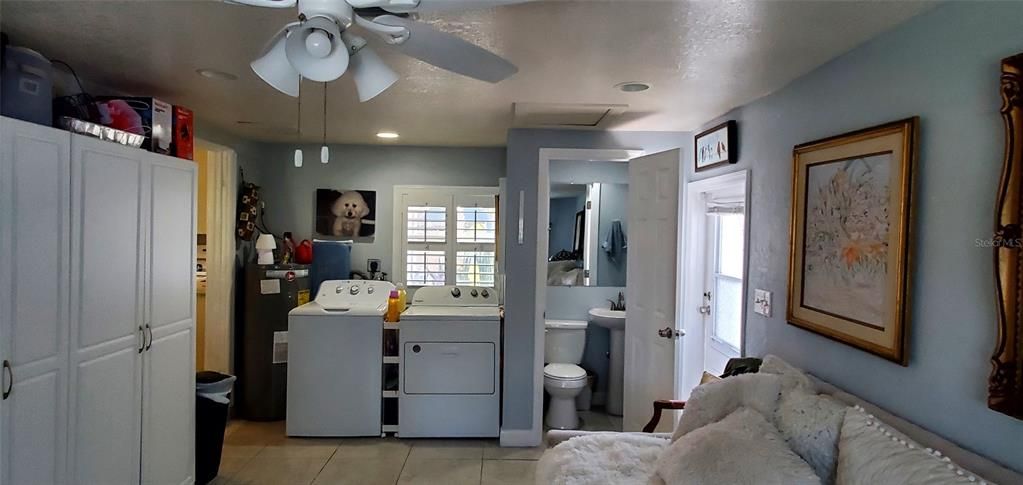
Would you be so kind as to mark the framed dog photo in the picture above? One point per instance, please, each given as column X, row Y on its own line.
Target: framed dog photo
column 716, row 146
column 850, row 247
column 348, row 215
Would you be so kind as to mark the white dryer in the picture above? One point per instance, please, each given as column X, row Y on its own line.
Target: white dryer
column 450, row 384
column 335, row 360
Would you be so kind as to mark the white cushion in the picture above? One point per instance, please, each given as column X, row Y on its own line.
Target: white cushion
column 791, row 376
column 869, row 453
column 811, row 424
column 742, row 448
column 599, row 459
column 711, row 402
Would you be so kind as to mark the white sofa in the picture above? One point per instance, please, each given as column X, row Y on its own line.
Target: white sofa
column 984, row 469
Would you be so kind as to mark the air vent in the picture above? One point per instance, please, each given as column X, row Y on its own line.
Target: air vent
column 564, row 115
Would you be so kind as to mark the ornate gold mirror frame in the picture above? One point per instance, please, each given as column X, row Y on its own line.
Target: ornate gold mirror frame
column 1005, row 387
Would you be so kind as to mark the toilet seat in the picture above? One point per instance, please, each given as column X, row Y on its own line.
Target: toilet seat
column 564, row 372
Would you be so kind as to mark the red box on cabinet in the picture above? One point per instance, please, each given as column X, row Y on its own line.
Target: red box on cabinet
column 184, row 136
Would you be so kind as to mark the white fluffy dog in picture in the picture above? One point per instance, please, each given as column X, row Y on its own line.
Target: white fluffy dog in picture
column 349, row 209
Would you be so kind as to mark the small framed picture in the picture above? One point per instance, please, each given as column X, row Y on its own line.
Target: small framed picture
column 716, row 146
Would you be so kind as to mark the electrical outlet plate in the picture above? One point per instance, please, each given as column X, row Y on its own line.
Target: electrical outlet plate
column 373, row 265
column 762, row 302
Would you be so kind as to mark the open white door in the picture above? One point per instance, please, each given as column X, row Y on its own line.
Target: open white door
column 651, row 281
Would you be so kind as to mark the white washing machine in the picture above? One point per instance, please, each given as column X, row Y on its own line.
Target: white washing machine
column 450, row 367
column 335, row 360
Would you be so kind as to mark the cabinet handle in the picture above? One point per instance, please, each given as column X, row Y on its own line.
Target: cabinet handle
column 150, row 330
column 10, row 379
column 143, row 334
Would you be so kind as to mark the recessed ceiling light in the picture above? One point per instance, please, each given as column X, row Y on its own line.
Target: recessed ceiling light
column 387, row 135
column 215, row 74
column 632, row 87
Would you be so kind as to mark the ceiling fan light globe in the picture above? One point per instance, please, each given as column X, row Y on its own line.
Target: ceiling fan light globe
column 274, row 69
column 320, row 69
column 318, row 44
column 371, row 75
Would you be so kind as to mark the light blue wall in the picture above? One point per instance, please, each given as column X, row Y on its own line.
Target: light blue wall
column 520, row 299
column 289, row 192
column 944, row 67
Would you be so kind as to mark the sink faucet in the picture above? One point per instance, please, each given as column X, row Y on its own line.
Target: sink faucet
column 618, row 305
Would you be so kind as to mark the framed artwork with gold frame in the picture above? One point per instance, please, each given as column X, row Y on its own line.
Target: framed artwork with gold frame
column 849, row 257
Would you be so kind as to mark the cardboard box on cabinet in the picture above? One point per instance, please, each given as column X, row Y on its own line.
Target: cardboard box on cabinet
column 184, row 136
column 140, row 115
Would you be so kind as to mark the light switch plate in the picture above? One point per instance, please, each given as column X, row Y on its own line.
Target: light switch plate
column 762, row 302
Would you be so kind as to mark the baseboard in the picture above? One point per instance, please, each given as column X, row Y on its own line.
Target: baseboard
column 519, row 438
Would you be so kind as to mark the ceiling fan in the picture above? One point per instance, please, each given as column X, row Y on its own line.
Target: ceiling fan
column 320, row 46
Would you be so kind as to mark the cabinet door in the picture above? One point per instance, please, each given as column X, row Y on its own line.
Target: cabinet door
column 107, row 183
column 34, row 251
column 168, row 455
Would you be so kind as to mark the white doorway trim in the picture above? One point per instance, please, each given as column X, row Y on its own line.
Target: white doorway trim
column 543, row 200
column 221, row 215
column 692, row 275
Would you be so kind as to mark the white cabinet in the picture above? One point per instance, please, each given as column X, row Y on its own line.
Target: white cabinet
column 169, row 420
column 34, row 225
column 107, row 246
column 96, row 276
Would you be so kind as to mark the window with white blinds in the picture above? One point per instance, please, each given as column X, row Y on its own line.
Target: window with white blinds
column 450, row 236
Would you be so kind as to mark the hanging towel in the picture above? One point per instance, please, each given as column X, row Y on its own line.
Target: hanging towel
column 615, row 244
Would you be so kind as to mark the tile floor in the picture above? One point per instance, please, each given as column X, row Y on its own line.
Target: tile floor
column 260, row 453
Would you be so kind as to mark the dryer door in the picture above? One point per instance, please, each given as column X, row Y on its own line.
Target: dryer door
column 449, row 368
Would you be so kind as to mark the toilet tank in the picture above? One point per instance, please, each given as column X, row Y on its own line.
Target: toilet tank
column 564, row 341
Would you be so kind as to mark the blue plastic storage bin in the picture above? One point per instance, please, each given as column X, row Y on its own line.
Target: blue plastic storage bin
column 27, row 86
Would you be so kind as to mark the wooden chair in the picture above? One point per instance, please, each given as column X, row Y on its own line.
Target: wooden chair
column 734, row 367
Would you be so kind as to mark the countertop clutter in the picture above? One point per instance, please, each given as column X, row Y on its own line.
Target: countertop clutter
column 31, row 81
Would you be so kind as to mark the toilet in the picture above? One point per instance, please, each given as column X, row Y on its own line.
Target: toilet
column 563, row 379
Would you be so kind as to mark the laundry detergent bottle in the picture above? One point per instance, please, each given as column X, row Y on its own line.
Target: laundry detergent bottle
column 393, row 310
column 402, row 297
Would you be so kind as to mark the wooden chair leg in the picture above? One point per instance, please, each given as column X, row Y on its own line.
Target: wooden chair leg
column 659, row 406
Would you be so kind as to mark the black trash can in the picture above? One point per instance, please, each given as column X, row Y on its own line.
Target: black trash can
column 212, row 401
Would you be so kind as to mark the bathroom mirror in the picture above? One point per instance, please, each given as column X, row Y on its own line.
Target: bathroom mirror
column 588, row 241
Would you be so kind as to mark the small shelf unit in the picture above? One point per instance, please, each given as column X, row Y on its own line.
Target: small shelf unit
column 389, row 384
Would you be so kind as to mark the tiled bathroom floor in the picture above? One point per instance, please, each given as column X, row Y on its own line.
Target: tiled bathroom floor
column 260, row 453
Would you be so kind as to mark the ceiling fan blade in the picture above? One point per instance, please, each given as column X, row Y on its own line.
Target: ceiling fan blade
column 449, row 52
column 264, row 3
column 447, row 5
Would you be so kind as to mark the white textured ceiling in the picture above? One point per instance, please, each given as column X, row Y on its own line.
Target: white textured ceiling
column 702, row 58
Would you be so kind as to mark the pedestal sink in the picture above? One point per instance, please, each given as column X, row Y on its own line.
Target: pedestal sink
column 614, row 321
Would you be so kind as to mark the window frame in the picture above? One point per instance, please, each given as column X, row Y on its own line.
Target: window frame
column 713, row 274
column 451, row 198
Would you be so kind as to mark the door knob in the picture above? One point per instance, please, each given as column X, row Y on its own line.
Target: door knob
column 670, row 333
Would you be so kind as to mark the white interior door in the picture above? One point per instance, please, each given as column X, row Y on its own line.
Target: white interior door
column 34, row 226
column 106, row 311
column 169, row 371
column 651, row 282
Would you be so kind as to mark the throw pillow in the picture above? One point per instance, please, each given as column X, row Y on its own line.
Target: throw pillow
column 742, row 448
column 811, row 424
column 711, row 402
column 869, row 453
column 708, row 377
column 791, row 376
